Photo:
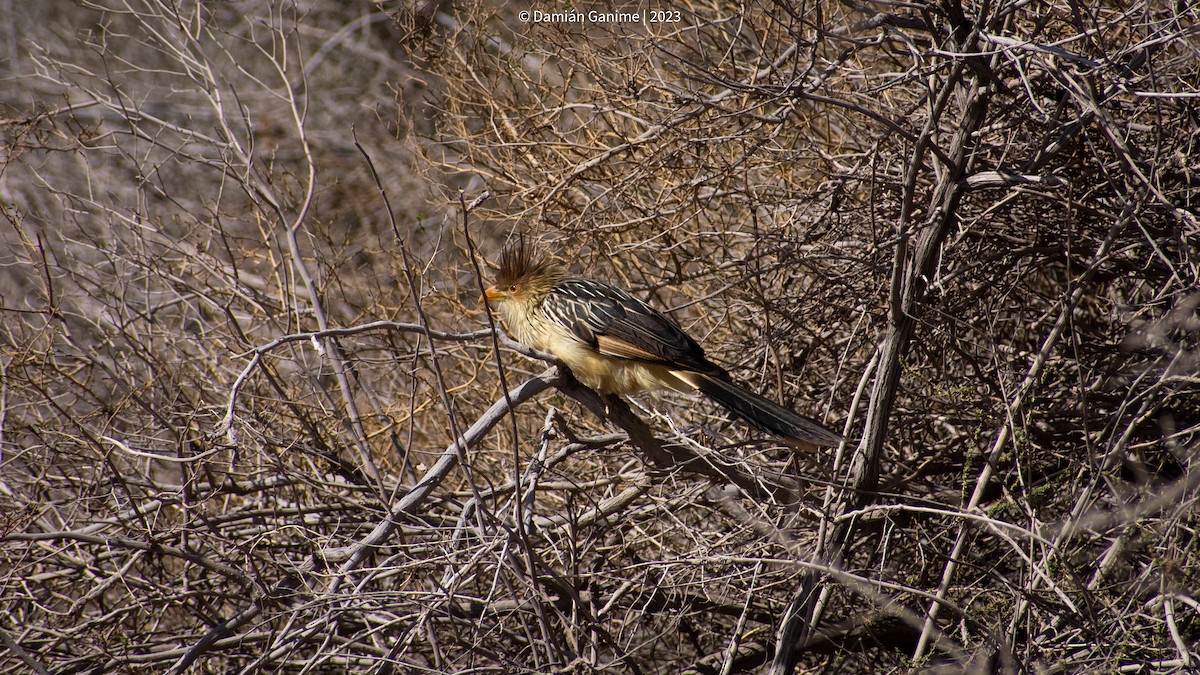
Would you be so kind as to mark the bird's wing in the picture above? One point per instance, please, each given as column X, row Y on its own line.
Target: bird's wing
column 618, row 324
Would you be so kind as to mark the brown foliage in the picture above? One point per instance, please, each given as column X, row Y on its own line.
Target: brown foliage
column 252, row 417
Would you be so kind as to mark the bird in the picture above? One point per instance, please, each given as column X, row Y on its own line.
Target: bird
column 617, row 344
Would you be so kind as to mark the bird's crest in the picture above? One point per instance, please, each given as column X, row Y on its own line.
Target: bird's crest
column 519, row 262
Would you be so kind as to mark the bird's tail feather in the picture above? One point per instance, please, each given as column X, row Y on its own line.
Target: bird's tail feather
column 761, row 413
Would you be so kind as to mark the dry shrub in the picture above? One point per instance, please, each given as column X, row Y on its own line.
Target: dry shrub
column 241, row 336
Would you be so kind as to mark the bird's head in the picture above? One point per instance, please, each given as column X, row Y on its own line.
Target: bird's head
column 523, row 276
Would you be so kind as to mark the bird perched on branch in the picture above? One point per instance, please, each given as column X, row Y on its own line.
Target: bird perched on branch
column 617, row 344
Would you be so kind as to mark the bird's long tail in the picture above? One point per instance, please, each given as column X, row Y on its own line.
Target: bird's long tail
column 761, row 413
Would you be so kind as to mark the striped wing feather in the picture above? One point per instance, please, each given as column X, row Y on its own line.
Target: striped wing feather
column 618, row 324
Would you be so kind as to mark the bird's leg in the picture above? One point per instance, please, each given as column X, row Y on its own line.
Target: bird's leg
column 607, row 398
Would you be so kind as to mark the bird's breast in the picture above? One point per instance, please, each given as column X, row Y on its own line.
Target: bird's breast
column 605, row 373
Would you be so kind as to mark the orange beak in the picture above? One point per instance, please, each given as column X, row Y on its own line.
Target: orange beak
column 491, row 294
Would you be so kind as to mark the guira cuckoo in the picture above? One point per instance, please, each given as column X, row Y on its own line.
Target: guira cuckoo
column 617, row 344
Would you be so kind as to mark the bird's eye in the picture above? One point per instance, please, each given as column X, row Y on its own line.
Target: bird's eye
column 512, row 288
